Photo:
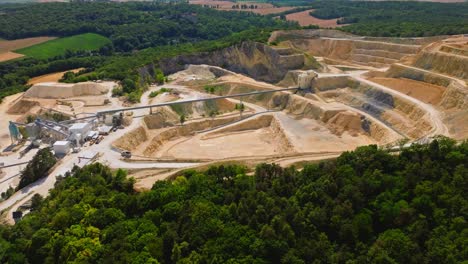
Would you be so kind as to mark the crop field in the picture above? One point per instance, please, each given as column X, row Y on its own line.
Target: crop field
column 50, row 49
column 7, row 46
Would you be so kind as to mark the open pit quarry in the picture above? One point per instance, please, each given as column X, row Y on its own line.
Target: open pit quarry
column 363, row 91
column 346, row 91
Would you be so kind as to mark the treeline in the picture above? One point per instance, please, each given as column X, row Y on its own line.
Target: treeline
column 368, row 206
column 130, row 26
column 396, row 18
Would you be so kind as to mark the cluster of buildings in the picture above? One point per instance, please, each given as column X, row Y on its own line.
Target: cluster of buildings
column 64, row 137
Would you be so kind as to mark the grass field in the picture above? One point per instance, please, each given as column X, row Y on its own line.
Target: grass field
column 50, row 49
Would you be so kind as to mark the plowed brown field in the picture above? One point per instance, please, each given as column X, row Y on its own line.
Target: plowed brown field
column 305, row 19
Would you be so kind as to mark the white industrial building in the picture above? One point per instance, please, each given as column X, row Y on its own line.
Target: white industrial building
column 61, row 147
column 79, row 131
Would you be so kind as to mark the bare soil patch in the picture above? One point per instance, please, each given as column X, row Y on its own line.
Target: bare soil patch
column 9, row 56
column 262, row 8
column 9, row 45
column 305, row 19
column 51, row 77
column 425, row 92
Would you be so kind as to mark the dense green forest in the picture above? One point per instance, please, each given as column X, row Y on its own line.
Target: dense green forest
column 134, row 25
column 396, row 18
column 368, row 206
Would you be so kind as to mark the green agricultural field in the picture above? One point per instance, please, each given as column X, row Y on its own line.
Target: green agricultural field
column 53, row 48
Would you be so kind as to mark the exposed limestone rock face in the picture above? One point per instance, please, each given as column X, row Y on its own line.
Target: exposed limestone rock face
column 253, row 59
column 455, row 98
column 357, row 51
column 132, row 139
column 305, row 79
column 443, row 62
column 403, row 71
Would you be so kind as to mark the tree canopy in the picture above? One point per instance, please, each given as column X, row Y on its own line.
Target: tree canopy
column 130, row 26
column 396, row 18
column 367, row 206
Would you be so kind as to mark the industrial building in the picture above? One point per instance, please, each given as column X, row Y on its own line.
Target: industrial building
column 79, row 131
column 61, row 148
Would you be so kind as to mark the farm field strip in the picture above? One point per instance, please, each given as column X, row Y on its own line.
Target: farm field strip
column 57, row 47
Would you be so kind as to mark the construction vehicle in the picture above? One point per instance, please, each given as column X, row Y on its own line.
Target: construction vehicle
column 126, row 154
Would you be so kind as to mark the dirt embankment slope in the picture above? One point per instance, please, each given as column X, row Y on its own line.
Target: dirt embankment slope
column 425, row 92
column 65, row 90
column 449, row 63
column 256, row 60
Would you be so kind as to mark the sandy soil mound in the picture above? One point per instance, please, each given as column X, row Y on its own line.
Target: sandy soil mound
column 65, row 90
column 346, row 121
column 22, row 107
column 163, row 117
column 132, row 139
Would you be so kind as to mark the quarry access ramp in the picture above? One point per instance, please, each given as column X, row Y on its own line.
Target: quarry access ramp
column 102, row 113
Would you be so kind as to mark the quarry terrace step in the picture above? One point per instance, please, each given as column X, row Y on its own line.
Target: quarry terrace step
column 381, row 53
column 369, row 59
column 453, row 50
column 404, row 48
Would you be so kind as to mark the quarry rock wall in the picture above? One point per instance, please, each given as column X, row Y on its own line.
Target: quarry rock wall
column 443, row 62
column 253, row 59
column 357, row 51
